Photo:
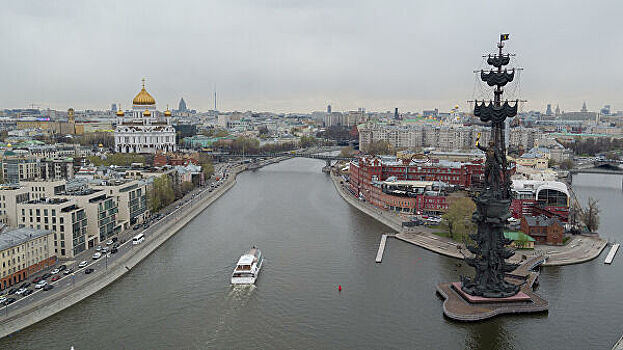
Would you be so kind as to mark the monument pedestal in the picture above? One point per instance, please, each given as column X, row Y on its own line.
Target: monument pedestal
column 460, row 306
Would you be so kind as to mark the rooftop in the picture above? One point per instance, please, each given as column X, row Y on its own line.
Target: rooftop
column 18, row 236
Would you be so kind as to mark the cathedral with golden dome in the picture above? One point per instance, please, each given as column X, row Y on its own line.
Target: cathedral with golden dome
column 143, row 129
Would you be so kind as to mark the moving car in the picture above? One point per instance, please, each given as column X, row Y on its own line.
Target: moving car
column 27, row 292
column 41, row 284
column 109, row 242
column 68, row 272
column 9, row 301
column 48, row 287
column 114, row 251
column 88, row 271
column 82, row 264
column 97, row 255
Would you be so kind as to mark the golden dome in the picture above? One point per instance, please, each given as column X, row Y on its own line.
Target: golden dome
column 120, row 112
column 147, row 113
column 143, row 97
column 8, row 145
column 167, row 113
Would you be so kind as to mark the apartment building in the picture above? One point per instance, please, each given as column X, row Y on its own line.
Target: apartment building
column 10, row 196
column 23, row 252
column 131, row 199
column 62, row 216
column 101, row 211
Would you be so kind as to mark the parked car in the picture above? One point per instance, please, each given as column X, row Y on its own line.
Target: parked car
column 62, row 267
column 27, row 292
column 12, row 291
column 48, row 287
column 97, row 255
column 25, row 285
column 115, row 239
column 56, row 278
column 37, row 279
column 55, row 271
column 41, row 284
column 136, row 227
column 146, row 225
column 116, row 245
column 88, row 271
column 114, row 251
column 46, row 275
column 2, row 300
column 68, row 272
column 109, row 242
column 21, row 291
column 9, row 301
column 104, row 250
column 98, row 248
column 82, row 264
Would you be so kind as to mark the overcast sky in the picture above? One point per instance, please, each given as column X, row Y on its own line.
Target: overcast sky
column 300, row 55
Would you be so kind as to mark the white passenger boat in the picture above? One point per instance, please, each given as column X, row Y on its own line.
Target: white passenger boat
column 248, row 267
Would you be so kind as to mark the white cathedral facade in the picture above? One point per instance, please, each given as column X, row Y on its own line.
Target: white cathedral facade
column 144, row 129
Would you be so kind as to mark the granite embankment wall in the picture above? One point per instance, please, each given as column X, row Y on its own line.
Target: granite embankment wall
column 35, row 312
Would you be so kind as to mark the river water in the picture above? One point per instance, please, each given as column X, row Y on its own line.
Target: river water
column 313, row 241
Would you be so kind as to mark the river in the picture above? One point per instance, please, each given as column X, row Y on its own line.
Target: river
column 313, row 241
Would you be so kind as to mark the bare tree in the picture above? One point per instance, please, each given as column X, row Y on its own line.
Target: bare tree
column 591, row 215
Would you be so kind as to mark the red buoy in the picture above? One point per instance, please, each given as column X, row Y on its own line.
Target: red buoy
column 339, row 288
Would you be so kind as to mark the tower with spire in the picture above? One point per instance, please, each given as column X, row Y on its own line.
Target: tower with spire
column 182, row 106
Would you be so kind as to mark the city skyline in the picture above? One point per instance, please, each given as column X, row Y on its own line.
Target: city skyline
column 300, row 57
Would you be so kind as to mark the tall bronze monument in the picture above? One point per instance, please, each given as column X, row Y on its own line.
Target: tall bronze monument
column 492, row 205
column 498, row 287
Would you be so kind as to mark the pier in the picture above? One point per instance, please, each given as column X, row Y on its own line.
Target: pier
column 618, row 345
column 379, row 254
column 612, row 253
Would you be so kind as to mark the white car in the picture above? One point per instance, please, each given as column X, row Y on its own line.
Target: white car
column 55, row 271
column 97, row 255
column 109, row 242
column 2, row 300
column 20, row 291
column 41, row 284
column 98, row 248
column 82, row 264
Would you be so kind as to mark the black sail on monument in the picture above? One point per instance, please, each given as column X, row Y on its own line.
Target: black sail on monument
column 497, row 114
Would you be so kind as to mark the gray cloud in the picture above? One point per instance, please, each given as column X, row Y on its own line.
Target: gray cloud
column 301, row 55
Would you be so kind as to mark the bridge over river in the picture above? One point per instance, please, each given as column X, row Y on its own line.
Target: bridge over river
column 613, row 170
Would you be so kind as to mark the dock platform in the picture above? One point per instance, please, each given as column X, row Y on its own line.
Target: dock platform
column 612, row 253
column 618, row 345
column 379, row 254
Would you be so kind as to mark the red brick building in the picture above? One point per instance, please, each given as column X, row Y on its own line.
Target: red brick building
column 543, row 229
column 162, row 159
column 414, row 186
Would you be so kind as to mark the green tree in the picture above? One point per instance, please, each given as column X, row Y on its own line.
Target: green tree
column 379, row 147
column 457, row 219
column 307, row 141
column 161, row 193
column 590, row 216
column 347, row 152
column 205, row 160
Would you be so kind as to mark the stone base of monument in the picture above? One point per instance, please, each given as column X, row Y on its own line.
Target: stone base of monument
column 461, row 306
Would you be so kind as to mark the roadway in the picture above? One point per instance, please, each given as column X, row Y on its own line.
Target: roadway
column 100, row 266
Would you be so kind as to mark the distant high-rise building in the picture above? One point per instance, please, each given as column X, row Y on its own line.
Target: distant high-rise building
column 584, row 109
column 605, row 110
column 182, row 106
column 113, row 107
column 557, row 110
column 329, row 109
column 548, row 111
column 396, row 113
